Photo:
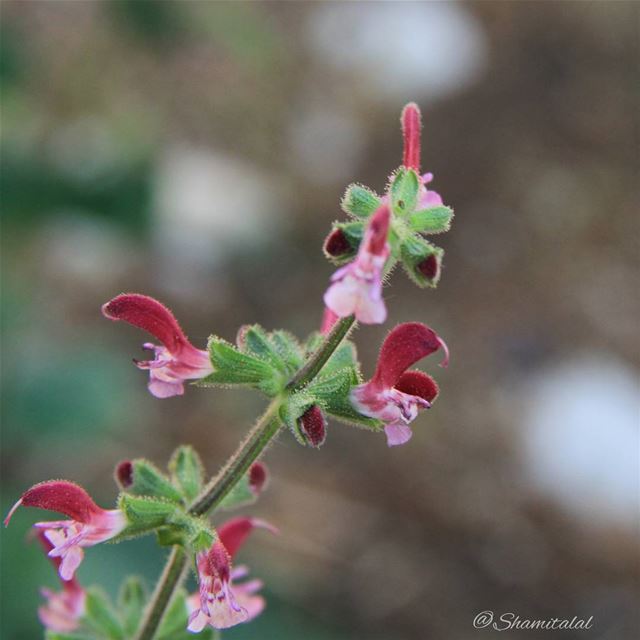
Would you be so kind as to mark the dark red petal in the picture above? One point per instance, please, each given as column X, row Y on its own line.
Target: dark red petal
column 234, row 532
column 403, row 347
column 429, row 267
column 417, row 383
column 124, row 474
column 219, row 561
column 313, row 426
column 411, row 125
column 258, row 477
column 61, row 496
column 336, row 243
column 378, row 230
column 148, row 314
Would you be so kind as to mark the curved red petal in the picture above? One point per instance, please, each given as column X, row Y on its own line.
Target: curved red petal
column 417, row 383
column 147, row 313
column 61, row 496
column 411, row 126
column 234, row 532
column 403, row 347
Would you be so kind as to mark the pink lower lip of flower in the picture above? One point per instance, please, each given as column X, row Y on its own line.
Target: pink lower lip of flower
column 356, row 289
column 89, row 525
column 177, row 360
column 64, row 609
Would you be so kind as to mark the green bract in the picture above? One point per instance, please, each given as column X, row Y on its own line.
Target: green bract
column 359, row 201
column 433, row 220
column 187, row 471
column 405, row 185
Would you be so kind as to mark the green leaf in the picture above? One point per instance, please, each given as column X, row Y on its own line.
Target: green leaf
column 414, row 254
column 326, row 389
column 175, row 620
column 56, row 635
column 187, row 471
column 288, row 348
column 131, row 601
column 434, row 220
column 231, row 367
column 240, row 496
column 253, row 339
column 359, row 201
column 344, row 356
column 404, row 191
column 148, row 480
column 101, row 616
column 144, row 514
column 340, row 407
column 292, row 408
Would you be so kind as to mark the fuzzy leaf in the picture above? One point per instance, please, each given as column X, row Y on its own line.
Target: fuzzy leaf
column 404, row 191
column 340, row 408
column 147, row 480
column 187, row 471
column 328, row 389
column 240, row 496
column 288, row 349
column 433, row 220
column 359, row 201
column 421, row 260
column 101, row 616
column 231, row 367
column 131, row 602
column 291, row 409
column 174, row 622
column 254, row 340
column 144, row 513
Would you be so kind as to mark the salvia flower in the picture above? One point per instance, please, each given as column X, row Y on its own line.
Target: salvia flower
column 220, row 603
column 395, row 395
column 411, row 120
column 177, row 359
column 89, row 524
column 63, row 609
column 357, row 287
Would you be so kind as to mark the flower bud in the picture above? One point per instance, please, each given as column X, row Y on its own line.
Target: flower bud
column 313, row 426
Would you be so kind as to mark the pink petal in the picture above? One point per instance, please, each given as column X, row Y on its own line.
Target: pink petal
column 411, row 125
column 197, row 621
column 162, row 389
column 403, row 347
column 376, row 233
column 70, row 562
column 397, row 434
column 329, row 318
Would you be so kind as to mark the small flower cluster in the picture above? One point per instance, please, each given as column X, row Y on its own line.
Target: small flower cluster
column 307, row 382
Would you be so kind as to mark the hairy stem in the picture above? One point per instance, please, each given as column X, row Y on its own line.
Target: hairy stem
column 248, row 452
column 169, row 580
column 319, row 358
column 250, row 449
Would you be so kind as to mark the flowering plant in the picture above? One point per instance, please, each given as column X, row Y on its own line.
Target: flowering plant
column 305, row 381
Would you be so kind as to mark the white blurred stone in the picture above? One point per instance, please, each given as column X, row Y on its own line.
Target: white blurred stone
column 208, row 206
column 326, row 143
column 581, row 438
column 407, row 50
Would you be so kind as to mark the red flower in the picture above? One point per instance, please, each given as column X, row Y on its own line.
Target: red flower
column 217, row 604
column 394, row 395
column 177, row 359
column 89, row 524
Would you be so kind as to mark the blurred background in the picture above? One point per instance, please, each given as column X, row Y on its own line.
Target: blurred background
column 197, row 152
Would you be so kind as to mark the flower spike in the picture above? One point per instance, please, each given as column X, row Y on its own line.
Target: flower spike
column 357, row 287
column 177, row 359
column 217, row 604
column 394, row 395
column 89, row 524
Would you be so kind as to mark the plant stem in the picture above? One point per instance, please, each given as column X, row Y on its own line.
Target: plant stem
column 314, row 365
column 248, row 452
column 170, row 578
